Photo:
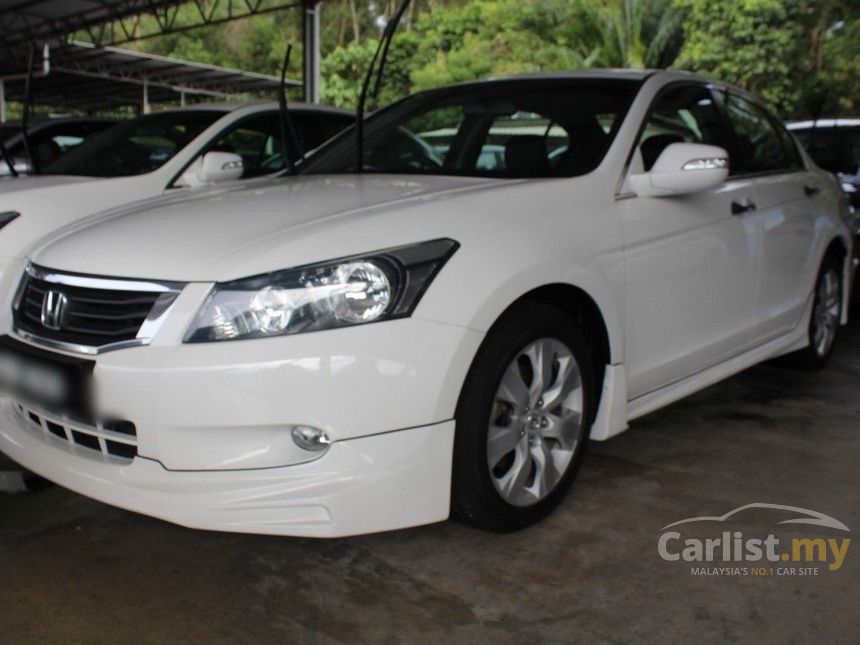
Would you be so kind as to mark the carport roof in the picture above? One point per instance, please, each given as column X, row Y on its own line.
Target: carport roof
column 83, row 76
column 52, row 19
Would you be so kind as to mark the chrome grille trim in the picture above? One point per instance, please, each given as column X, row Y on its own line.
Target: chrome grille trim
column 96, row 282
column 167, row 293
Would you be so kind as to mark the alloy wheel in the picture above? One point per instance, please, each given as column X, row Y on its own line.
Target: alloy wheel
column 536, row 423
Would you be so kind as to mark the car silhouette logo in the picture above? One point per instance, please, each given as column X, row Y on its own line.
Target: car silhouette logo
column 53, row 309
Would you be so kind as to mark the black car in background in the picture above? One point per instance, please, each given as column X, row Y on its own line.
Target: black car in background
column 834, row 144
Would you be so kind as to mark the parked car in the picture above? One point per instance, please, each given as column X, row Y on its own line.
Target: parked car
column 834, row 144
column 156, row 154
column 378, row 344
column 50, row 139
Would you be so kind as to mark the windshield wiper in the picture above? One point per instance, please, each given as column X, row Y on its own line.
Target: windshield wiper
column 7, row 158
column 288, row 128
column 380, row 55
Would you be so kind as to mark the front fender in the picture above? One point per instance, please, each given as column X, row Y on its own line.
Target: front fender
column 605, row 286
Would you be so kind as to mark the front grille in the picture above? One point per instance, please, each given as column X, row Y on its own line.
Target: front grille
column 114, row 438
column 89, row 316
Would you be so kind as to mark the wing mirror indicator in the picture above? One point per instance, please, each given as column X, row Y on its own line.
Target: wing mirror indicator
column 713, row 163
column 232, row 165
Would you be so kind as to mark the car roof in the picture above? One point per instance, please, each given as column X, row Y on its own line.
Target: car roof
column 630, row 75
column 258, row 106
column 825, row 123
column 585, row 74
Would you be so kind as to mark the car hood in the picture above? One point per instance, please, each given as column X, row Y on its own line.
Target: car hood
column 31, row 182
column 258, row 227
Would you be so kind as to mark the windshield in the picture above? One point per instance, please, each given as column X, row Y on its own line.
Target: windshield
column 516, row 129
column 136, row 147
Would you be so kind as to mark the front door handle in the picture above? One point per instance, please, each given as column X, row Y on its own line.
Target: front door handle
column 739, row 208
column 811, row 190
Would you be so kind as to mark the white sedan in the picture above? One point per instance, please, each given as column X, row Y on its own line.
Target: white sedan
column 431, row 330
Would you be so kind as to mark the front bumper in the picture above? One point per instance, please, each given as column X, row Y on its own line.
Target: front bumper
column 383, row 482
column 231, row 405
column 213, row 442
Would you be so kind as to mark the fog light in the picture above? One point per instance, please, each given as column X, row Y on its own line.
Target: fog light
column 311, row 439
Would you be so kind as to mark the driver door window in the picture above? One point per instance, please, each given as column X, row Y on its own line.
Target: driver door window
column 686, row 114
column 759, row 145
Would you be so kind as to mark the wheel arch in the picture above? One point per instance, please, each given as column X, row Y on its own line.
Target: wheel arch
column 836, row 249
column 586, row 297
column 586, row 310
column 578, row 304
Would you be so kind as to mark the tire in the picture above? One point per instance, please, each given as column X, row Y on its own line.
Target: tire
column 510, row 492
column 825, row 320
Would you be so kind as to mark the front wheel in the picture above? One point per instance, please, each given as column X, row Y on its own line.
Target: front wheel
column 522, row 420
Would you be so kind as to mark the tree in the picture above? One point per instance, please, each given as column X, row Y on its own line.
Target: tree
column 635, row 33
column 799, row 55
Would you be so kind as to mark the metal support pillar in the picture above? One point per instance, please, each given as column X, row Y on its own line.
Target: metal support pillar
column 145, row 105
column 311, row 50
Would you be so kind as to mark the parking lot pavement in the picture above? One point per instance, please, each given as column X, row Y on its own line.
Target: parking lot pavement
column 11, row 477
column 73, row 570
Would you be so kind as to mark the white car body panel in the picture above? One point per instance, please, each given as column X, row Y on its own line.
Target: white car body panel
column 689, row 293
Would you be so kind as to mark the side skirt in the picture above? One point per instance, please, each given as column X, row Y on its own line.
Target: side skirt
column 797, row 339
column 616, row 411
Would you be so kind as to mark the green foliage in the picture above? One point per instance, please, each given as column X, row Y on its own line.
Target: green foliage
column 635, row 33
column 790, row 52
column 500, row 37
column 837, row 87
column 754, row 43
column 802, row 56
column 344, row 70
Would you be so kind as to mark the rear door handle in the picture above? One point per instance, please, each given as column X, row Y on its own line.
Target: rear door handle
column 739, row 208
column 811, row 190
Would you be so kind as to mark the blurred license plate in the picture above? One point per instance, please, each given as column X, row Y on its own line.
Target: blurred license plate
column 56, row 382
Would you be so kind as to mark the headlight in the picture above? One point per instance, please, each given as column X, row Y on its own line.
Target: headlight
column 352, row 291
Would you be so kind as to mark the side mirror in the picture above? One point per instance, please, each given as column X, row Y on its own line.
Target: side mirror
column 216, row 167
column 681, row 169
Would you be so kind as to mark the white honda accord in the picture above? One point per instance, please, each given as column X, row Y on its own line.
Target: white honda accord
column 433, row 322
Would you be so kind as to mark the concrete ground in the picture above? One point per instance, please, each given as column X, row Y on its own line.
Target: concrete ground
column 74, row 570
